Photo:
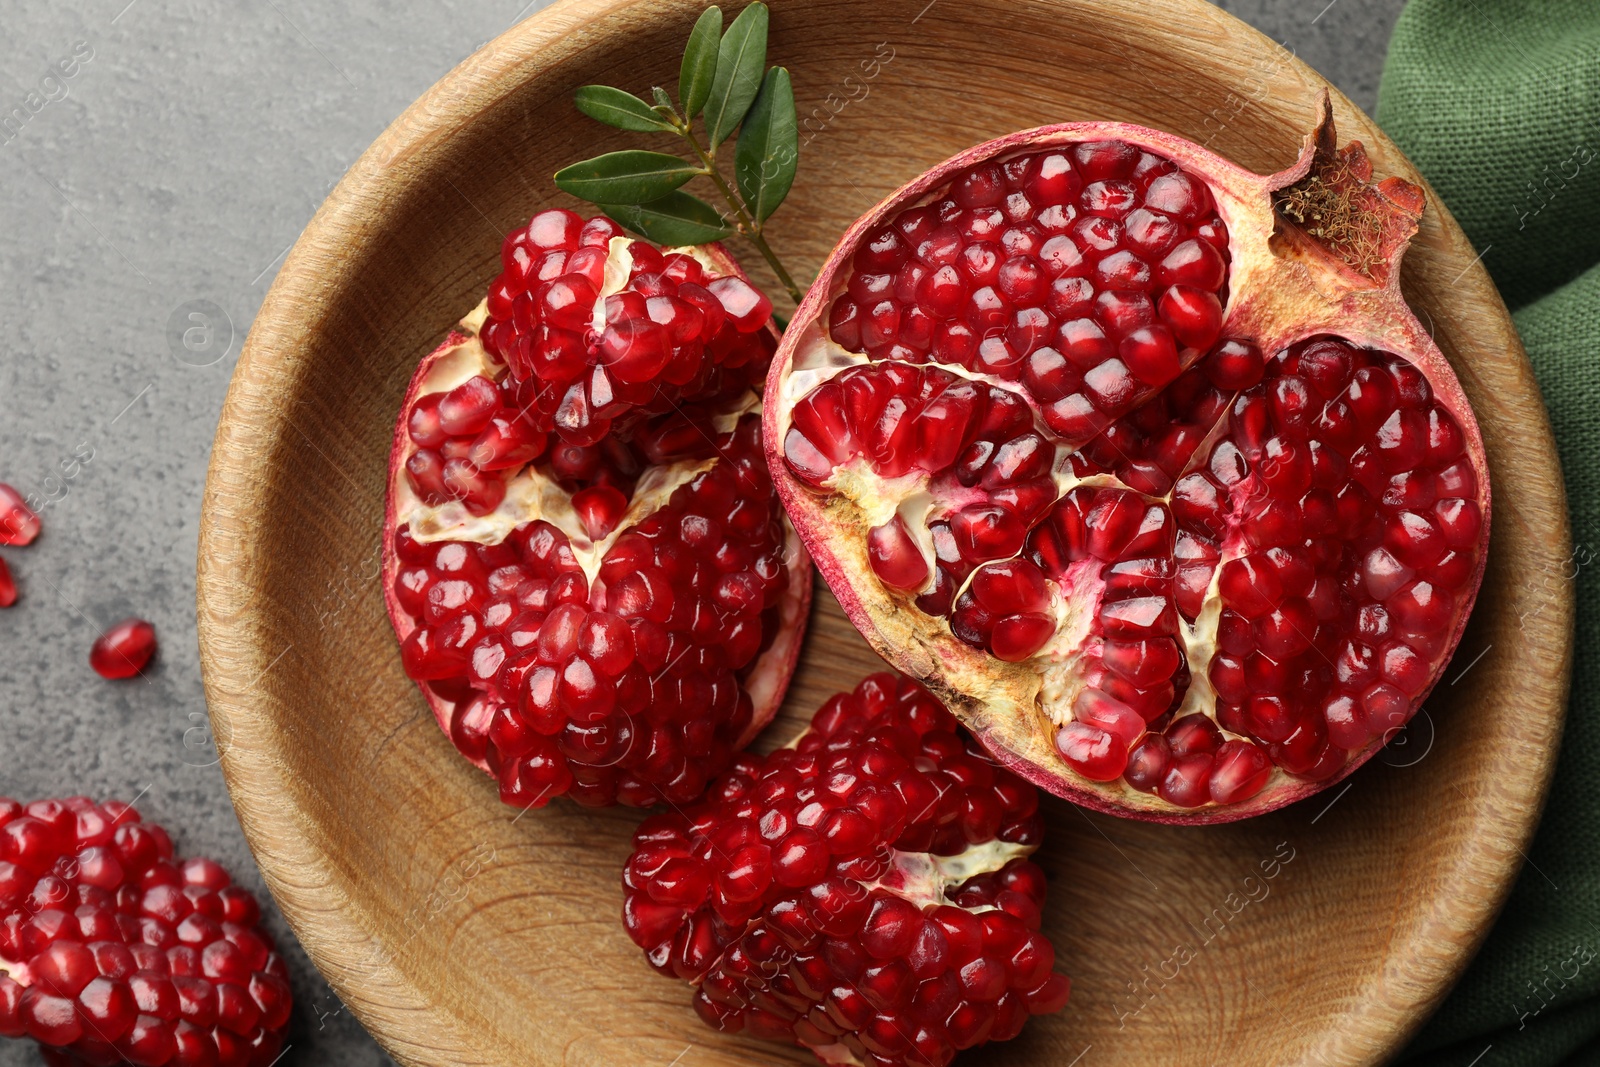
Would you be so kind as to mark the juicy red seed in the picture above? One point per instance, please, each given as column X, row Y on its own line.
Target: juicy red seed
column 1148, row 762
column 123, row 650
column 1187, row 781
column 896, row 558
column 467, row 408
column 8, row 586
column 624, row 688
column 1335, row 499
column 837, row 957
column 1234, row 365
column 1193, row 735
column 1092, row 751
column 671, row 333
column 599, row 508
column 18, row 523
column 747, row 307
column 1239, row 772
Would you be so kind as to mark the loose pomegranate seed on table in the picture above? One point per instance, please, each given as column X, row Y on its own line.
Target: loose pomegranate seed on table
column 112, row 950
column 865, row 893
column 18, row 523
column 123, row 650
column 585, row 559
column 8, row 586
column 1178, row 494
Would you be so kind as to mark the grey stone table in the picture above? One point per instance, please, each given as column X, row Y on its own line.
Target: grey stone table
column 168, row 175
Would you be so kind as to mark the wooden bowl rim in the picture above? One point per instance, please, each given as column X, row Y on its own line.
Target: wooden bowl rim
column 413, row 152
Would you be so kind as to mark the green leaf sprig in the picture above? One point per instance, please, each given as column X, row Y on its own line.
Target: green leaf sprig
column 724, row 81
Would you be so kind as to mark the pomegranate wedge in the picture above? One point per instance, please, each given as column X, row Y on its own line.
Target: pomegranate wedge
column 584, row 556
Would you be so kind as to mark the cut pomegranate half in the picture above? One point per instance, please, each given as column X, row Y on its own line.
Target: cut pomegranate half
column 1140, row 461
column 865, row 893
column 598, row 594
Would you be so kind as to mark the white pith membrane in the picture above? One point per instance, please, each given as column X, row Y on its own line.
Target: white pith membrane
column 532, row 495
column 1292, row 294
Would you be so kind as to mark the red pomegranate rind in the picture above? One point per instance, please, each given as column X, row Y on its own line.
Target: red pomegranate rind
column 864, row 893
column 1237, row 589
column 114, row 951
column 607, row 621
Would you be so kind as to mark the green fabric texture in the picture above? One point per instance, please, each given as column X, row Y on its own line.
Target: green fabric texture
column 1498, row 104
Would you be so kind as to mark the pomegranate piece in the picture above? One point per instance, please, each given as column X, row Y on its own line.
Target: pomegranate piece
column 18, row 523
column 1143, row 460
column 586, row 562
column 124, row 650
column 112, row 950
column 8, row 586
column 865, row 893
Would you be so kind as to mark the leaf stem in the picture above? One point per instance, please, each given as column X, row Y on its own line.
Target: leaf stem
column 745, row 224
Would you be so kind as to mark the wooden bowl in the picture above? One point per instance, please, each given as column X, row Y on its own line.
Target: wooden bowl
column 461, row 932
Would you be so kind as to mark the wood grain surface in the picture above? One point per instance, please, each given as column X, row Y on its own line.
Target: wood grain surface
column 462, row 933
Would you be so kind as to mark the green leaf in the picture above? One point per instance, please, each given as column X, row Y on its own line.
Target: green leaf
column 768, row 151
column 699, row 63
column 675, row 219
column 741, row 58
column 630, row 177
column 622, row 110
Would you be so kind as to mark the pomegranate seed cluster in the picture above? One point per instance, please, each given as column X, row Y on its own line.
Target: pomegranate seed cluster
column 671, row 324
column 620, row 686
column 464, row 436
column 1092, row 275
column 1321, row 503
column 799, row 897
column 113, row 951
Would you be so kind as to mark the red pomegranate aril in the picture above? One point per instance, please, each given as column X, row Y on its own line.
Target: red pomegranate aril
column 506, row 443
column 1312, row 509
column 1018, row 637
column 18, row 523
column 848, row 936
column 896, row 558
column 8, row 586
column 123, row 650
column 1194, row 315
column 1150, row 354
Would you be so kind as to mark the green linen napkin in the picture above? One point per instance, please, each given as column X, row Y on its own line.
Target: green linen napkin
column 1498, row 104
